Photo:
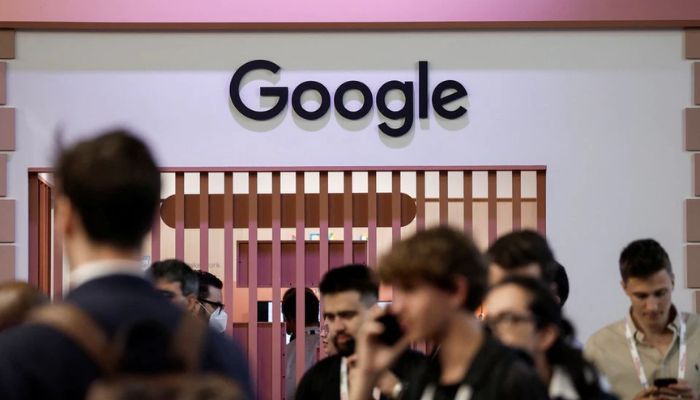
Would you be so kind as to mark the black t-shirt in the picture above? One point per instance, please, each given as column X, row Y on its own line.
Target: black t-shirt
column 322, row 381
column 496, row 373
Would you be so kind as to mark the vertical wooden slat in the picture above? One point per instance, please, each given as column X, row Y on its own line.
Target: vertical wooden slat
column 33, row 229
column 468, row 198
column 492, row 206
column 395, row 205
column 204, row 221
column 180, row 215
column 45, row 229
column 276, row 283
column 372, row 218
column 57, row 262
column 420, row 200
column 323, row 234
column 517, row 201
column 253, row 273
column 541, row 202
column 229, row 274
column 443, row 198
column 155, row 236
column 300, row 276
column 323, row 221
column 347, row 217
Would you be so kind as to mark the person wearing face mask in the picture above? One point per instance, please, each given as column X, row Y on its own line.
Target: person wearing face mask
column 210, row 301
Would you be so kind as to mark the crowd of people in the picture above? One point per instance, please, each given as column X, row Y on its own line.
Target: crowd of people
column 490, row 324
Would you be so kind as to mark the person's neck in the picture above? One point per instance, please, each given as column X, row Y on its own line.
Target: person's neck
column 654, row 330
column 84, row 253
column 458, row 346
column 544, row 369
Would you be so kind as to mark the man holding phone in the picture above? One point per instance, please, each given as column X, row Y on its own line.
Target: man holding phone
column 347, row 295
column 653, row 352
column 439, row 279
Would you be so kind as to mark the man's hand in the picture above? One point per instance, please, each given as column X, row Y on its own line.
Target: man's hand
column 372, row 357
column 646, row 394
column 680, row 390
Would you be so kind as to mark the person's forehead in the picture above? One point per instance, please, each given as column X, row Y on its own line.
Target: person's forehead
column 342, row 301
column 506, row 298
column 214, row 294
column 657, row 281
column 164, row 284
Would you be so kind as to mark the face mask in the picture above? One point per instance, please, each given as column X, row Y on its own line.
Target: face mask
column 218, row 320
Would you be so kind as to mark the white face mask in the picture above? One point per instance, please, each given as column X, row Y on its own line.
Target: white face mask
column 218, row 320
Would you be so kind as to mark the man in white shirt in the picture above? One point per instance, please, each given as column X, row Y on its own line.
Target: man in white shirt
column 311, row 335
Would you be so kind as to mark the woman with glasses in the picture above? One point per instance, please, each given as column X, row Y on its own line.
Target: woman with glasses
column 523, row 313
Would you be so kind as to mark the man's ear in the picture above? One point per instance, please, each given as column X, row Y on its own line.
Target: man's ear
column 192, row 305
column 547, row 336
column 65, row 215
column 461, row 291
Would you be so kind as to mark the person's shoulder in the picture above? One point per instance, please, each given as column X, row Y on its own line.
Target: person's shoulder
column 604, row 336
column 327, row 364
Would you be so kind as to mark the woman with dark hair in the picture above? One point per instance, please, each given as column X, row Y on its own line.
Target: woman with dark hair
column 524, row 314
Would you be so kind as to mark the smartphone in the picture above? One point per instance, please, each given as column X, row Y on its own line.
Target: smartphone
column 392, row 329
column 664, row 382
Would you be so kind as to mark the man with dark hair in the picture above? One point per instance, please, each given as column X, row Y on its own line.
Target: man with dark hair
column 439, row 279
column 177, row 282
column 211, row 301
column 523, row 252
column 654, row 340
column 107, row 194
column 347, row 294
column 311, row 335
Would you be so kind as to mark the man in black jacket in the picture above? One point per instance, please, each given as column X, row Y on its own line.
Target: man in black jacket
column 347, row 294
column 108, row 191
column 439, row 279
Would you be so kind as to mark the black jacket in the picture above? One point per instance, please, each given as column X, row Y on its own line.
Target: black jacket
column 322, row 381
column 496, row 373
column 38, row 362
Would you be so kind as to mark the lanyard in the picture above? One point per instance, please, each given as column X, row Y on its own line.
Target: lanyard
column 463, row 393
column 638, row 361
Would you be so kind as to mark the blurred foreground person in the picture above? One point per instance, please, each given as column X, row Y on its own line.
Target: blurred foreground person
column 524, row 314
column 439, row 279
column 17, row 299
column 108, row 191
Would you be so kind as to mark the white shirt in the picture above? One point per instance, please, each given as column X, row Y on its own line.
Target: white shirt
column 311, row 342
column 99, row 269
column 561, row 386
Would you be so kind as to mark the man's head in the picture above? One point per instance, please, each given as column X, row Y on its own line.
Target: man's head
column 210, row 296
column 524, row 314
column 289, row 309
column 108, row 192
column 176, row 281
column 435, row 274
column 347, row 293
column 648, row 281
column 524, row 253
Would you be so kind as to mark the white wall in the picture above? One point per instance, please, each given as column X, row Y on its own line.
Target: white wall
column 603, row 111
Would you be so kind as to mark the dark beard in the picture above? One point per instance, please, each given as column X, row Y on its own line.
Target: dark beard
column 346, row 349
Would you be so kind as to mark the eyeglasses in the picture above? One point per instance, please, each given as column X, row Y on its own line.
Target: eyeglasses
column 507, row 319
column 214, row 304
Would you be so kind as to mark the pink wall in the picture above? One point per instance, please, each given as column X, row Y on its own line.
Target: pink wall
column 210, row 13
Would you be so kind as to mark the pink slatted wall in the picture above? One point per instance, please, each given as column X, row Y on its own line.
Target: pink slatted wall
column 328, row 217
